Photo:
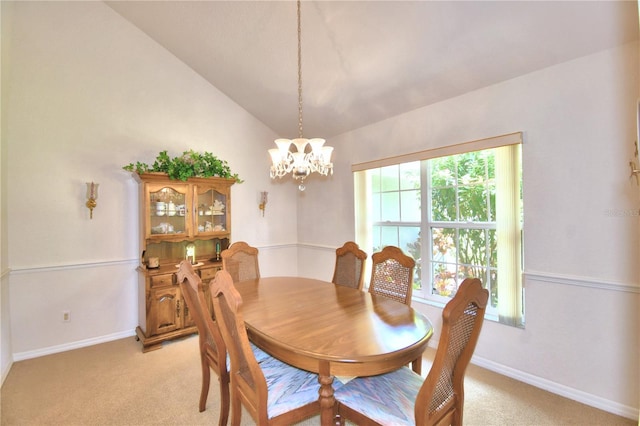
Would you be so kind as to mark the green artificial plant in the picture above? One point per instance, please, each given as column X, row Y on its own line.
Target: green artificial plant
column 189, row 164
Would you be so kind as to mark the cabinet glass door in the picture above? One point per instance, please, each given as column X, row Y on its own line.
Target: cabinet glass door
column 211, row 211
column 168, row 210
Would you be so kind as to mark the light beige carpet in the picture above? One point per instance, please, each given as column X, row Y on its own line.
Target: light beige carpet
column 116, row 384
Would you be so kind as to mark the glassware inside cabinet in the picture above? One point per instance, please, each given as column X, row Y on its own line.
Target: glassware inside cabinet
column 211, row 211
column 167, row 211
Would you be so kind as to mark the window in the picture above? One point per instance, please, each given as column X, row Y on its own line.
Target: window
column 457, row 215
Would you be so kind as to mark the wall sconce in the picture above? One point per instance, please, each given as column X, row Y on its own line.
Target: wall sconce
column 263, row 201
column 92, row 196
column 634, row 168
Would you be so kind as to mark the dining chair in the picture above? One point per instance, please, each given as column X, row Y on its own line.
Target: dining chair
column 402, row 397
column 241, row 261
column 273, row 392
column 392, row 274
column 213, row 352
column 349, row 268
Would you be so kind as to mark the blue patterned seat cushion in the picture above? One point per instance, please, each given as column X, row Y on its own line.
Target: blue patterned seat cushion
column 289, row 387
column 387, row 399
column 257, row 352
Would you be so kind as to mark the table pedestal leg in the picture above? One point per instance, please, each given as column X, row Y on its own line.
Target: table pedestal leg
column 327, row 401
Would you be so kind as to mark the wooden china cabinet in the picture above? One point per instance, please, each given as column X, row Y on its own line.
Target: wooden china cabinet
column 178, row 220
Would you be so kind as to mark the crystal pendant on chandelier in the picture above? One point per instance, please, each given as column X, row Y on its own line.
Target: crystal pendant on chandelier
column 310, row 155
column 301, row 163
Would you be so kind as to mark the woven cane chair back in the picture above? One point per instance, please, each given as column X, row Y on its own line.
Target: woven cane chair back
column 392, row 274
column 441, row 397
column 241, row 261
column 349, row 268
column 386, row 399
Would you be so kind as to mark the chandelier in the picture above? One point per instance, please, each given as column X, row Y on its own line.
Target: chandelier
column 301, row 162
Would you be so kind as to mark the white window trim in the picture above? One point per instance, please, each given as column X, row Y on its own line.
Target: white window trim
column 508, row 313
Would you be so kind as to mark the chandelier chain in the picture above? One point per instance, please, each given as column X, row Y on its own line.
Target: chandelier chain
column 300, row 162
column 300, row 133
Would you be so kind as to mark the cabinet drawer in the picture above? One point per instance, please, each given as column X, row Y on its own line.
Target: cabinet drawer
column 161, row 280
column 208, row 274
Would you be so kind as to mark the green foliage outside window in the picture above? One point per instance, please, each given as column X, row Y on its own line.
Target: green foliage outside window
column 462, row 202
column 463, row 191
column 447, row 213
column 465, row 180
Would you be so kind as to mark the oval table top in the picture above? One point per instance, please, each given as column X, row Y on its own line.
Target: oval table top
column 304, row 321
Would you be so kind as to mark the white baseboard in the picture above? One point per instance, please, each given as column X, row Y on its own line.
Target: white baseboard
column 19, row 356
column 553, row 387
column 5, row 371
column 558, row 389
column 548, row 385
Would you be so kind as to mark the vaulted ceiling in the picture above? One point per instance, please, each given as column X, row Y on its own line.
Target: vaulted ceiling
column 364, row 61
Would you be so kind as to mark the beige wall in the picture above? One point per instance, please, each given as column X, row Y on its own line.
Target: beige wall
column 581, row 219
column 90, row 93
column 5, row 319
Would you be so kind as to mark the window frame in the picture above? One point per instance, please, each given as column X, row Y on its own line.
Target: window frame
column 426, row 224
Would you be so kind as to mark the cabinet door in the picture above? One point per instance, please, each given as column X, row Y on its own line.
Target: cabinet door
column 164, row 310
column 211, row 215
column 166, row 210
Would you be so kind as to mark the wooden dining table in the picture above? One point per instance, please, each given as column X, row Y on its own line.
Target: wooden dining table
column 332, row 330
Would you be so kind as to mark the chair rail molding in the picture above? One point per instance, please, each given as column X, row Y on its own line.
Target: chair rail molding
column 323, row 247
column 578, row 281
column 68, row 266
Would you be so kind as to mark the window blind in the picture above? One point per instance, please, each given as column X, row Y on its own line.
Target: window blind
column 460, row 148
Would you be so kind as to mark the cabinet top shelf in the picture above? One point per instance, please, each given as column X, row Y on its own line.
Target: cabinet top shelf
column 163, row 177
